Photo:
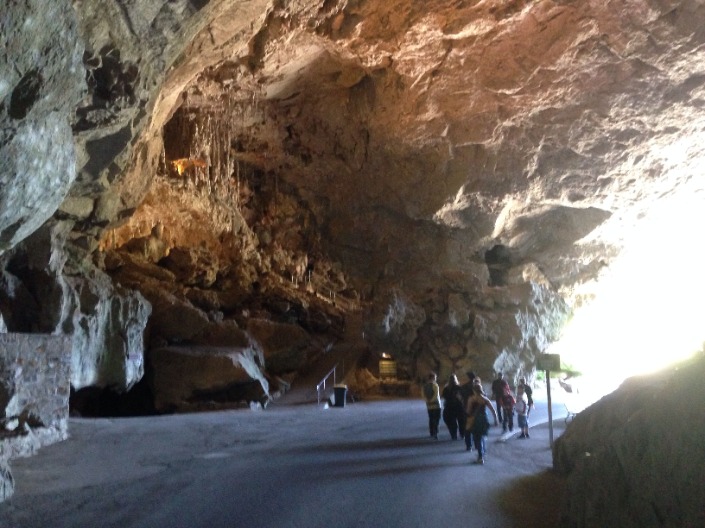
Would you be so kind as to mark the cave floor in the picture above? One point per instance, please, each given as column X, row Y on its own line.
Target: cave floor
column 365, row 464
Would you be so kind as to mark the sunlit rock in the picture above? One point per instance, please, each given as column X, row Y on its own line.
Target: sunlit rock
column 400, row 321
column 34, row 384
column 108, row 325
column 635, row 457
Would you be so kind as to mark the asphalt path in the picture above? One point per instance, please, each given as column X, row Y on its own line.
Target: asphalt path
column 368, row 464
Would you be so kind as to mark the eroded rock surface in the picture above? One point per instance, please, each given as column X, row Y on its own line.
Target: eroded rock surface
column 41, row 82
column 299, row 162
column 302, row 161
column 191, row 175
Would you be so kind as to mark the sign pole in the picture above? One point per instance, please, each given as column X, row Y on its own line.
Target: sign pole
column 550, row 410
column 547, row 363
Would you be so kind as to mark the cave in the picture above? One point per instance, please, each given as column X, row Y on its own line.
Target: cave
column 206, row 204
column 499, row 262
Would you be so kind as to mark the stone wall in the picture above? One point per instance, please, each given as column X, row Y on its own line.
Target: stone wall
column 34, row 396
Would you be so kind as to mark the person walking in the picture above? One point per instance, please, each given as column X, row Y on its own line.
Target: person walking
column 433, row 404
column 498, row 387
column 466, row 392
column 522, row 410
column 529, row 392
column 478, row 425
column 508, row 403
column 453, row 413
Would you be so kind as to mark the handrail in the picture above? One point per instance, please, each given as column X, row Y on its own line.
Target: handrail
column 322, row 384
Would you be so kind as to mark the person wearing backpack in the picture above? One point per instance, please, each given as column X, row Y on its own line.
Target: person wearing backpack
column 477, row 423
column 431, row 394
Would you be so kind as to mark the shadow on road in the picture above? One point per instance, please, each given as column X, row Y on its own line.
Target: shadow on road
column 535, row 501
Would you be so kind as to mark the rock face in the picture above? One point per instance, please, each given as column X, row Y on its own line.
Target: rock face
column 635, row 458
column 459, row 175
column 41, row 82
column 107, row 322
column 185, row 378
column 34, row 397
column 266, row 159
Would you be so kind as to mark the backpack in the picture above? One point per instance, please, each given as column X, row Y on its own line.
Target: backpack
column 508, row 399
column 480, row 424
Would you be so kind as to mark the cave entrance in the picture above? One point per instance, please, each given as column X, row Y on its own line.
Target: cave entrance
column 96, row 402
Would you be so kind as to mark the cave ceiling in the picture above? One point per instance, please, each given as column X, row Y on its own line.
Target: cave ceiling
column 390, row 148
column 529, row 124
column 432, row 132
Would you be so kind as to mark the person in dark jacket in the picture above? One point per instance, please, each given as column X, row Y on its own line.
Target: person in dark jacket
column 453, row 413
column 466, row 391
column 499, row 386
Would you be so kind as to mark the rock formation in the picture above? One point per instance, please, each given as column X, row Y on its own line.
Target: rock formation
column 185, row 178
column 635, row 457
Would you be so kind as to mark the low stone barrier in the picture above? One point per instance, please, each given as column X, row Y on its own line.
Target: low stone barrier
column 34, row 396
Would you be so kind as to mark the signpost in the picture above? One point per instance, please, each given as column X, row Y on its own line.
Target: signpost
column 547, row 363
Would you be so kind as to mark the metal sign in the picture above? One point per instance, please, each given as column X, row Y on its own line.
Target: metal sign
column 550, row 362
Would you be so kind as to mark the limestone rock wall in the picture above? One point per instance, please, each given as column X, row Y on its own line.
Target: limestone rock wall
column 194, row 378
column 41, row 83
column 108, row 325
column 35, row 381
column 455, row 330
column 635, row 458
column 107, row 322
column 138, row 57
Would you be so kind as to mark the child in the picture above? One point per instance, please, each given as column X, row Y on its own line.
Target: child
column 522, row 409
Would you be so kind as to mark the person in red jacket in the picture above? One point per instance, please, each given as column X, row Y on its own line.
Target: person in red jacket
column 508, row 403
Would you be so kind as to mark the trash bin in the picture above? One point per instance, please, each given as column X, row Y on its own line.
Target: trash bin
column 341, row 393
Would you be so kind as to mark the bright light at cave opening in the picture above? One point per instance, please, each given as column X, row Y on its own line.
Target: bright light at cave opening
column 648, row 310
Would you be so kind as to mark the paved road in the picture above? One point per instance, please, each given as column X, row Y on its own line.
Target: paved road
column 364, row 465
